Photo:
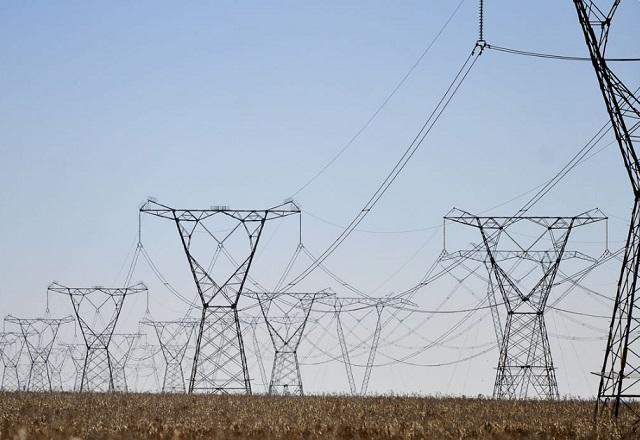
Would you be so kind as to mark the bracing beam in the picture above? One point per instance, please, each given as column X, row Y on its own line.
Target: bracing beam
column 620, row 375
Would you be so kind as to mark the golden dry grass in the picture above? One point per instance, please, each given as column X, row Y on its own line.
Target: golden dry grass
column 120, row 416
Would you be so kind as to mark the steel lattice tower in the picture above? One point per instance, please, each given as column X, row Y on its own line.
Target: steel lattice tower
column 76, row 352
column 11, row 346
column 121, row 346
column 39, row 337
column 340, row 306
column 219, row 364
column 620, row 374
column 174, row 338
column 57, row 359
column 97, row 310
column 286, row 332
column 525, row 359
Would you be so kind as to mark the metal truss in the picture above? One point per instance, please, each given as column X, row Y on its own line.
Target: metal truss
column 11, row 346
column 219, row 364
column 253, row 324
column 620, row 374
column 145, row 365
column 39, row 336
column 76, row 352
column 286, row 332
column 97, row 310
column 120, row 348
column 174, row 338
column 341, row 306
column 525, row 363
column 57, row 359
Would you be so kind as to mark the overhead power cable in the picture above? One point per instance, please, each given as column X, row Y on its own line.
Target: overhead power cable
column 553, row 56
column 426, row 128
column 377, row 111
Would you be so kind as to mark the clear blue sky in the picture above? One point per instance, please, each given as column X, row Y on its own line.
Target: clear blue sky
column 239, row 103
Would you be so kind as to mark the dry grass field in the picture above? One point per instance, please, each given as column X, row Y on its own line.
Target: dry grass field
column 120, row 416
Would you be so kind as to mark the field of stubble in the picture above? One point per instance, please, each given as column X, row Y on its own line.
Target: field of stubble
column 120, row 416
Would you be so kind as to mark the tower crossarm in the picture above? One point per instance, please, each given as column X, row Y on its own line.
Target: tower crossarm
column 501, row 222
column 504, row 255
column 157, row 209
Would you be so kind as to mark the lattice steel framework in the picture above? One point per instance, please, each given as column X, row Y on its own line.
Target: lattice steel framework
column 525, row 359
column 286, row 331
column 620, row 374
column 219, row 364
column 11, row 347
column 145, row 366
column 340, row 306
column 97, row 310
column 57, row 359
column 174, row 338
column 39, row 336
column 120, row 348
column 76, row 352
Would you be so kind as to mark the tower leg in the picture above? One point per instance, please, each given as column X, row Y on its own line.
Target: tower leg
column 220, row 364
column 97, row 373
column 525, row 362
column 285, row 377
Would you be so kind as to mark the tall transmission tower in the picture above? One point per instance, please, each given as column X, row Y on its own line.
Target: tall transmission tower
column 524, row 275
column 620, row 374
column 220, row 364
column 11, row 346
column 174, row 338
column 39, row 336
column 97, row 310
column 286, row 332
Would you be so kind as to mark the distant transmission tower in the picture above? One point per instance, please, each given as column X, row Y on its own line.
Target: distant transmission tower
column 76, row 352
column 120, row 348
column 97, row 310
column 285, row 331
column 525, row 360
column 174, row 337
column 11, row 346
column 620, row 375
column 341, row 306
column 57, row 359
column 219, row 364
column 39, row 337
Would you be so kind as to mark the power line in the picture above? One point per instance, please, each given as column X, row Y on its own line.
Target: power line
column 553, row 56
column 397, row 87
column 426, row 128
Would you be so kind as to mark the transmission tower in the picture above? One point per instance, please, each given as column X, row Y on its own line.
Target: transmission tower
column 76, row 352
column 620, row 374
column 39, row 336
column 219, row 364
column 57, row 359
column 341, row 306
column 174, row 337
column 97, row 310
column 143, row 362
column 11, row 346
column 286, row 332
column 120, row 348
column 525, row 355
